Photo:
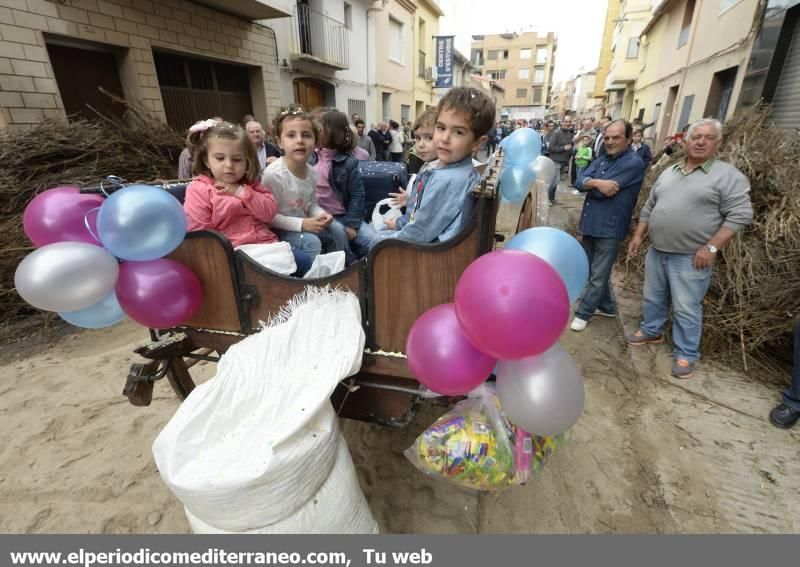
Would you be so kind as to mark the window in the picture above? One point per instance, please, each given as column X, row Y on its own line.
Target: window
column 541, row 55
column 538, row 75
column 686, row 111
column 525, row 53
column 725, row 5
column 405, row 112
column 491, row 55
column 633, row 48
column 477, row 57
column 522, row 93
column 355, row 106
column 688, row 14
column 386, row 104
column 537, row 95
column 348, row 16
column 505, row 54
column 524, row 74
column 496, row 74
column 395, row 40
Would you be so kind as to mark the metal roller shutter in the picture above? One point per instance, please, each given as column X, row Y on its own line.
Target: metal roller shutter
column 786, row 102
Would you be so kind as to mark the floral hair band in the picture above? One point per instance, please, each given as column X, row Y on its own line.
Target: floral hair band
column 203, row 125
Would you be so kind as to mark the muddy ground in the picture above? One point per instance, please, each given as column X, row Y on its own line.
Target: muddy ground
column 650, row 454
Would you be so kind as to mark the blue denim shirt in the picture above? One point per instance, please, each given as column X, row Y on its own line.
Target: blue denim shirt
column 610, row 217
column 445, row 190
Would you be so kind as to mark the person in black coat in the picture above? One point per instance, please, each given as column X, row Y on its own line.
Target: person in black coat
column 641, row 149
column 377, row 140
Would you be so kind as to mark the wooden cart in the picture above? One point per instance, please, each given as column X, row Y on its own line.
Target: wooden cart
column 395, row 284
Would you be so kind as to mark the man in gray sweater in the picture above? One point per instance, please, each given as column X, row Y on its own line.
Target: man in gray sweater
column 695, row 208
column 560, row 147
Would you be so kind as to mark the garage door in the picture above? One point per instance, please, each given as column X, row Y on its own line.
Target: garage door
column 786, row 102
column 196, row 89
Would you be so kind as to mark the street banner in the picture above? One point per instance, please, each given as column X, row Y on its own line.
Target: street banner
column 444, row 61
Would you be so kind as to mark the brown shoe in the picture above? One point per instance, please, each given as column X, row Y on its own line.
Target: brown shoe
column 639, row 339
column 682, row 368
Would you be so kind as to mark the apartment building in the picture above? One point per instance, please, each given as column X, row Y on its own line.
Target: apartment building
column 183, row 60
column 606, row 47
column 624, row 67
column 426, row 28
column 524, row 62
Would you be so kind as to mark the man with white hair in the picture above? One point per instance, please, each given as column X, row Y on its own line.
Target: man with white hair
column 267, row 153
column 694, row 209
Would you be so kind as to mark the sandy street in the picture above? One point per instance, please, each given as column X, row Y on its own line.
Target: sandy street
column 650, row 454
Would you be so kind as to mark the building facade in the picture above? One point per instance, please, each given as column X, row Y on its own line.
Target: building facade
column 183, row 60
column 426, row 21
column 394, row 59
column 686, row 73
column 624, row 64
column 606, row 48
column 524, row 62
column 323, row 56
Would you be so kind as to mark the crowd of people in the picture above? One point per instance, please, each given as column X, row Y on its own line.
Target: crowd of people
column 300, row 182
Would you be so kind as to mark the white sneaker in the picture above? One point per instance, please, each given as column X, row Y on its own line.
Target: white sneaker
column 578, row 324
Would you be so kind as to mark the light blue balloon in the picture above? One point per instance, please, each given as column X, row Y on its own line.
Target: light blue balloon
column 559, row 249
column 141, row 222
column 523, row 146
column 104, row 313
column 514, row 183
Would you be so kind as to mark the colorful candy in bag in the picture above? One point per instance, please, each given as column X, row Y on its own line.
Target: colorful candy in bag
column 474, row 445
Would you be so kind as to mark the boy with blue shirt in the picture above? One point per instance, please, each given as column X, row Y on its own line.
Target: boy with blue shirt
column 464, row 117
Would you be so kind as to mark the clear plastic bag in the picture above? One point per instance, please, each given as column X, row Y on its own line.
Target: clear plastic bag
column 379, row 219
column 475, row 446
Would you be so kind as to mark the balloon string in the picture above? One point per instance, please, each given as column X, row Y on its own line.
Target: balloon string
column 115, row 180
column 88, row 226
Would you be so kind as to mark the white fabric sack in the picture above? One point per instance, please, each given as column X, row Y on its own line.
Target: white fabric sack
column 326, row 265
column 277, row 256
column 379, row 220
column 338, row 508
column 251, row 446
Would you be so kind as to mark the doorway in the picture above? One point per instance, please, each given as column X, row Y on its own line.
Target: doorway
column 719, row 96
column 308, row 94
column 80, row 74
column 670, row 108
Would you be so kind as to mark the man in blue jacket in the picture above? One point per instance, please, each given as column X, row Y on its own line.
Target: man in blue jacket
column 611, row 183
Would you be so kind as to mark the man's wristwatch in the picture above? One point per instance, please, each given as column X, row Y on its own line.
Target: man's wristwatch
column 712, row 248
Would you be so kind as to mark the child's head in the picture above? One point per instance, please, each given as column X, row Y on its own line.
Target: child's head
column 424, row 127
column 637, row 136
column 336, row 133
column 223, row 151
column 297, row 133
column 586, row 141
column 463, row 118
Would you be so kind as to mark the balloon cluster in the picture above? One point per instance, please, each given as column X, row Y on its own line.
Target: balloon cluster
column 523, row 164
column 81, row 238
column 510, row 308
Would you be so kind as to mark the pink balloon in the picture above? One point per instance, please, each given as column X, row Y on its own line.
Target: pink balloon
column 511, row 304
column 441, row 357
column 57, row 215
column 159, row 294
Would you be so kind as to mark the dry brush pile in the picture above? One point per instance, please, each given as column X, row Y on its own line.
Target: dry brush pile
column 755, row 292
column 54, row 153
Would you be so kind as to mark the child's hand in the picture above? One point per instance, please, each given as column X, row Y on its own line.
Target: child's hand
column 223, row 189
column 270, row 159
column 391, row 224
column 313, row 225
column 351, row 233
column 399, row 199
column 326, row 218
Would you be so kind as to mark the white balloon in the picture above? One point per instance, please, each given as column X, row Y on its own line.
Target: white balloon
column 66, row 276
column 542, row 394
column 544, row 168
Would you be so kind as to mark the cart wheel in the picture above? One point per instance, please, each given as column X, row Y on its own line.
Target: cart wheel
column 179, row 377
column 526, row 214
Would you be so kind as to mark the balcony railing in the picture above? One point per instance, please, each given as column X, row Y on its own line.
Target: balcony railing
column 421, row 65
column 319, row 38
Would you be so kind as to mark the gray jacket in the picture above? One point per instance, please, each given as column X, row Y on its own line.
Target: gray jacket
column 558, row 140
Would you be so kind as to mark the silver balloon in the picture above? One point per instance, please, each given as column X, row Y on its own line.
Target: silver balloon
column 66, row 276
column 542, row 394
column 544, row 168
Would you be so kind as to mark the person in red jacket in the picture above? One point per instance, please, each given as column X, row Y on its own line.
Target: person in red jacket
column 226, row 195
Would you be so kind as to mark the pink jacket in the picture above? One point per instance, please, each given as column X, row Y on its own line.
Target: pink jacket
column 242, row 219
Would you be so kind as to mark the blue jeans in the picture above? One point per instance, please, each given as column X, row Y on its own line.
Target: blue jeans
column 551, row 191
column 791, row 395
column 602, row 253
column 673, row 278
column 335, row 239
column 308, row 242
